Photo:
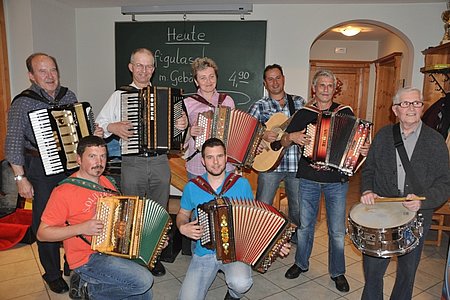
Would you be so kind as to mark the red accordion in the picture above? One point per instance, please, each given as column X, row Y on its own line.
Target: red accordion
column 248, row 231
column 336, row 139
column 240, row 132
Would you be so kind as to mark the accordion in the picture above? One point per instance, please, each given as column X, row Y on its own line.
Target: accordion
column 336, row 140
column 152, row 112
column 134, row 228
column 248, row 231
column 57, row 131
column 239, row 131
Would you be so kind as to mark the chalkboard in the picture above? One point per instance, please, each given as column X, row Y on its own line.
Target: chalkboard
column 238, row 48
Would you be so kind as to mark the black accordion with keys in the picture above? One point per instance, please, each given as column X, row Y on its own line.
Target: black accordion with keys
column 152, row 112
column 57, row 131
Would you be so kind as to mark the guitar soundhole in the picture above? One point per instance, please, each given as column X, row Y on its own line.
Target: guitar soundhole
column 275, row 146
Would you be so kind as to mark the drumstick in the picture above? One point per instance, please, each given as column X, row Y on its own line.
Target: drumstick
column 397, row 199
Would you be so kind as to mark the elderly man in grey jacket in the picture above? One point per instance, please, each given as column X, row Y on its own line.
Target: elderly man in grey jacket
column 384, row 176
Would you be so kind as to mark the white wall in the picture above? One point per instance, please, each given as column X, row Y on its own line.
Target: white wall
column 40, row 26
column 291, row 30
column 356, row 50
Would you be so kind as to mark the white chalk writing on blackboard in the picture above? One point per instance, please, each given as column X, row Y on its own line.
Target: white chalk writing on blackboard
column 187, row 37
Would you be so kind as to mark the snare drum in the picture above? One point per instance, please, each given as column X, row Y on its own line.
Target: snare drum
column 384, row 229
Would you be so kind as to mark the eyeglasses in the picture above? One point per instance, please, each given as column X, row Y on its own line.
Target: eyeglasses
column 141, row 67
column 405, row 104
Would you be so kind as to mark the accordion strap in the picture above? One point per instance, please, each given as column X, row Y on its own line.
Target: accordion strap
column 200, row 99
column 230, row 180
column 91, row 185
column 398, row 142
column 33, row 95
column 290, row 104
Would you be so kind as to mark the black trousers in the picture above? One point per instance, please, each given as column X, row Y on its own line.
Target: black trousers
column 43, row 185
column 375, row 268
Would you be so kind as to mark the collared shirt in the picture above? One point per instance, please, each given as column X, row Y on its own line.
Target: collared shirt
column 263, row 109
column 20, row 133
column 410, row 143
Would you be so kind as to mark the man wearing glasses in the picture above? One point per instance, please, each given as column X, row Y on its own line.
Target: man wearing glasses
column 141, row 175
column 384, row 175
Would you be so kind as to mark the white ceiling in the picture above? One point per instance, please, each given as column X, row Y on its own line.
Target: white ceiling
column 370, row 32
column 118, row 3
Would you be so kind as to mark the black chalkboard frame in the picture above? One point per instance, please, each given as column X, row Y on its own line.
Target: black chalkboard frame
column 238, row 47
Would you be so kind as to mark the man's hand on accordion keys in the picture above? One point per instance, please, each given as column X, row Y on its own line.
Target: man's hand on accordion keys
column 182, row 123
column 298, row 137
column 123, row 129
column 90, row 227
column 364, row 149
column 192, row 230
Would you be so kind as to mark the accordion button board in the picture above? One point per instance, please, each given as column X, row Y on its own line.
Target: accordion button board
column 133, row 228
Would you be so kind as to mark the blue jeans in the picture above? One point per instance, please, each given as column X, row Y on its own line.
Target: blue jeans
column 111, row 277
column 203, row 270
column 335, row 201
column 268, row 183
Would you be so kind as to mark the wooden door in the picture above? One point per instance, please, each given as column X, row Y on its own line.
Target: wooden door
column 353, row 78
column 387, row 82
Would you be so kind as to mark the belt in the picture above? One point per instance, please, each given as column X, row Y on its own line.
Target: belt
column 31, row 152
column 153, row 153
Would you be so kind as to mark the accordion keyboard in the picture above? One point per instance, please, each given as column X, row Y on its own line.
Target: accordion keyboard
column 203, row 221
column 130, row 112
column 204, row 120
column 45, row 139
column 308, row 150
column 104, row 241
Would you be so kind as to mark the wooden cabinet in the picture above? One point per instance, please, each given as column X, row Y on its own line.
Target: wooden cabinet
column 436, row 73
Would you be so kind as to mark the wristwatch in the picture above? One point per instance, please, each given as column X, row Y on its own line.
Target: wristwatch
column 19, row 177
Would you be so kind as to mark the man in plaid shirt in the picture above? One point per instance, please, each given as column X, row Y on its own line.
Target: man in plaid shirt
column 278, row 101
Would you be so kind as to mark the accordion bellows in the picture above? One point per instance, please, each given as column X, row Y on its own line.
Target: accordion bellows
column 239, row 131
column 134, row 228
column 248, row 231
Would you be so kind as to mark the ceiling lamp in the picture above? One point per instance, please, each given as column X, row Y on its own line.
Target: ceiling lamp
column 350, row 31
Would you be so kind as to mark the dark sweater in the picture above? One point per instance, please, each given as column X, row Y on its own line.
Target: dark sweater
column 430, row 162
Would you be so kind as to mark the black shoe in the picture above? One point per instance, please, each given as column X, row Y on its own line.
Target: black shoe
column 229, row 297
column 159, row 269
column 294, row 272
column 58, row 286
column 341, row 283
column 74, row 292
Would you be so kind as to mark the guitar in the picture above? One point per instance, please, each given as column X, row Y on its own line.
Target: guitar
column 273, row 152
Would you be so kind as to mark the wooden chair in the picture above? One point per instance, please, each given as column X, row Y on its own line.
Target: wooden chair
column 439, row 218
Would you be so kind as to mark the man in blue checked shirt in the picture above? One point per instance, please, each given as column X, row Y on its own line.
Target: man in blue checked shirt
column 278, row 101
